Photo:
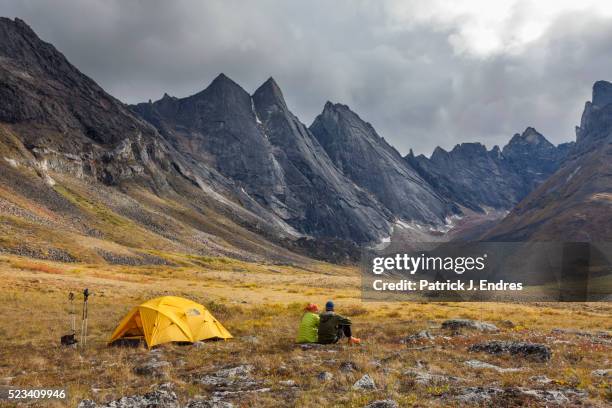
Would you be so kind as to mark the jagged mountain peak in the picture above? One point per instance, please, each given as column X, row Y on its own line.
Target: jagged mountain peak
column 602, row 93
column 529, row 140
column 469, row 148
column 374, row 165
column 530, row 136
column 332, row 106
column 222, row 84
column 438, row 153
column 269, row 93
column 20, row 44
column 17, row 26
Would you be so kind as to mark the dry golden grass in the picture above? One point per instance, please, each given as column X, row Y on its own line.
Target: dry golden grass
column 265, row 301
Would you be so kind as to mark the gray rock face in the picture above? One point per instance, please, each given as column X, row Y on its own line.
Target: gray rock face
column 533, row 158
column 369, row 161
column 218, row 126
column 602, row 93
column 475, row 177
column 260, row 145
column 63, row 117
column 60, row 120
column 539, row 352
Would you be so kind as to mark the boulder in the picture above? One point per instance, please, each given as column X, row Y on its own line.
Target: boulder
column 478, row 394
column 536, row 351
column 325, row 376
column 232, row 380
column 559, row 397
column 365, row 383
column 457, row 324
column 388, row 403
column 161, row 397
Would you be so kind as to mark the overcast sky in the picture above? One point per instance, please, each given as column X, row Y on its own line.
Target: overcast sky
column 424, row 73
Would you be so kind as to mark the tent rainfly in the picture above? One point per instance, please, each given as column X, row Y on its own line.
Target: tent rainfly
column 168, row 319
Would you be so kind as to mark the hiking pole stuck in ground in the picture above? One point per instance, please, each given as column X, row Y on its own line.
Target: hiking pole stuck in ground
column 84, row 318
column 72, row 314
column 70, row 339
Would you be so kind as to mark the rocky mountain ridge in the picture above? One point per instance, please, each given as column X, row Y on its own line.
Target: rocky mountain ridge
column 226, row 172
column 477, row 178
column 575, row 203
column 257, row 143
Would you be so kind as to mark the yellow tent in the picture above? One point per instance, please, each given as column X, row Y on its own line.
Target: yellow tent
column 169, row 318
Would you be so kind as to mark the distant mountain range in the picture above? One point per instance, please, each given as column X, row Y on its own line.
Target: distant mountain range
column 477, row 178
column 223, row 172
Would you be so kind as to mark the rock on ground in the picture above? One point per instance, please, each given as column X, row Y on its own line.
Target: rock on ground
column 206, row 403
column 542, row 379
column 365, row 383
column 553, row 396
column 422, row 335
column 325, row 376
column 388, row 403
column 457, row 324
column 536, row 351
column 232, row 381
column 483, row 365
column 478, row 394
column 425, row 378
column 162, row 397
column 485, row 394
column 602, row 373
column 348, row 366
column 152, row 367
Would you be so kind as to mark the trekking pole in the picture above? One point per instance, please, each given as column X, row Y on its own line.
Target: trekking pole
column 84, row 318
column 72, row 314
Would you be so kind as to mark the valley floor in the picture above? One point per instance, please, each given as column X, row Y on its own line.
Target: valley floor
column 261, row 305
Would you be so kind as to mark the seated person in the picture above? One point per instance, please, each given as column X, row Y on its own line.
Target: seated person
column 332, row 327
column 309, row 325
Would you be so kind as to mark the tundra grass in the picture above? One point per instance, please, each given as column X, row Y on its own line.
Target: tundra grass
column 261, row 305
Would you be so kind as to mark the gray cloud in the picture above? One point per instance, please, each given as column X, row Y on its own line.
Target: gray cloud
column 408, row 80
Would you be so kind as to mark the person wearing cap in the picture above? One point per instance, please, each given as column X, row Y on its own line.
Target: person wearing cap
column 333, row 327
column 309, row 325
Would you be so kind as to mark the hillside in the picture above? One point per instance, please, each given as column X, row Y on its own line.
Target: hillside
column 85, row 179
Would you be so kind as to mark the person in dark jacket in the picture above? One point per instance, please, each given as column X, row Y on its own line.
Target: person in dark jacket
column 333, row 327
